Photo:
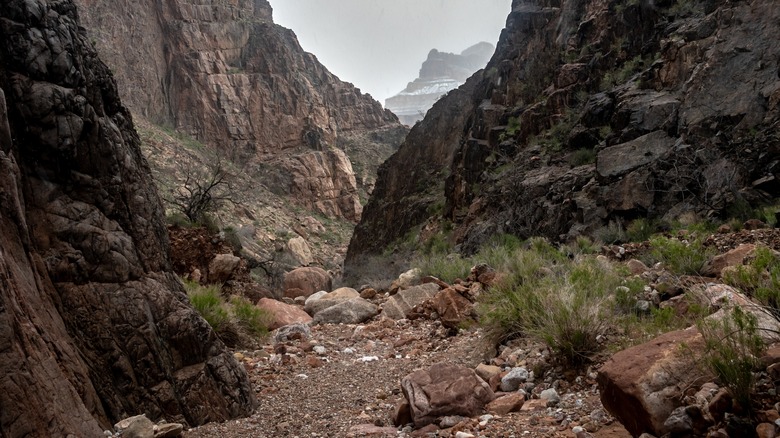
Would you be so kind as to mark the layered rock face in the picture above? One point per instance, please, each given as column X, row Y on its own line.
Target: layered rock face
column 591, row 112
column 222, row 72
column 94, row 325
column 440, row 73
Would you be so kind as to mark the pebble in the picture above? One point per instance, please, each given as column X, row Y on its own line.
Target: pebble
column 319, row 349
column 369, row 359
column 463, row 435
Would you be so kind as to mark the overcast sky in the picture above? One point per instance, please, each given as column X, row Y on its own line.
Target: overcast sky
column 379, row 45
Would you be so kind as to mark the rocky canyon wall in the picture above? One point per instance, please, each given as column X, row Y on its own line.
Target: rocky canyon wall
column 222, row 72
column 94, row 325
column 593, row 112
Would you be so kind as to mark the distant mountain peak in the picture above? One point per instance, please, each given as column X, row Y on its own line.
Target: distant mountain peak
column 440, row 73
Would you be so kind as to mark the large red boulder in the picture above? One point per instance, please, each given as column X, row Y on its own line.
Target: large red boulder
column 445, row 389
column 283, row 314
column 306, row 281
column 642, row 385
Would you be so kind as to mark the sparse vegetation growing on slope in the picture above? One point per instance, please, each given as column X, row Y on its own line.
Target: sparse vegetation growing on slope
column 733, row 349
column 232, row 319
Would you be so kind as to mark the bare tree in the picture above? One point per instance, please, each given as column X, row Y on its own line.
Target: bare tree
column 203, row 191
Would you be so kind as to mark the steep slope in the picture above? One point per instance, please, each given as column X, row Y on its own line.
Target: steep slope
column 222, row 73
column 94, row 325
column 440, row 73
column 591, row 112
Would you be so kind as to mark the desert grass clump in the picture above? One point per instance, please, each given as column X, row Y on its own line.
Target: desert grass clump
column 232, row 319
column 250, row 317
column 733, row 348
column 564, row 302
column 681, row 257
column 208, row 302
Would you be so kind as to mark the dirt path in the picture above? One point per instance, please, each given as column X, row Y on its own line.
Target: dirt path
column 306, row 392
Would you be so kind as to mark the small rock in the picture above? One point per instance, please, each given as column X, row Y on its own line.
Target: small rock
column 636, row 267
column 451, row 421
column 679, row 422
column 486, row 372
column 511, row 382
column 643, row 307
column 409, row 278
column 551, row 396
column 511, row 402
column 463, row 435
column 319, row 349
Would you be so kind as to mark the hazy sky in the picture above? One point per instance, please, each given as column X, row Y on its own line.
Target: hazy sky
column 379, row 45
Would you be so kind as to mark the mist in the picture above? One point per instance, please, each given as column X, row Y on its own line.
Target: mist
column 378, row 45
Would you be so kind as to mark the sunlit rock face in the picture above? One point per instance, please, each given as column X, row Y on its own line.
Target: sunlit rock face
column 441, row 73
column 94, row 324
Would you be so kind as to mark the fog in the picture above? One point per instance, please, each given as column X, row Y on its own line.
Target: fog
column 379, row 45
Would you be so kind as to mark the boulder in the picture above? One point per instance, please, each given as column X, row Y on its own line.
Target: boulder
column 324, row 301
column 353, row 311
column 735, row 257
column 221, row 268
column 623, row 158
column 642, row 385
column 168, row 430
column 135, row 427
column 409, row 278
column 299, row 250
column 445, row 389
column 513, row 379
column 306, row 281
column 283, row 314
column 400, row 305
column 453, row 308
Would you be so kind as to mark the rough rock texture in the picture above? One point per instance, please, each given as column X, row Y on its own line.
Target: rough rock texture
column 220, row 71
column 400, row 305
column 591, row 112
column 283, row 314
column 642, row 385
column 353, row 311
column 303, row 282
column 94, row 325
column 444, row 389
column 440, row 73
column 314, row 306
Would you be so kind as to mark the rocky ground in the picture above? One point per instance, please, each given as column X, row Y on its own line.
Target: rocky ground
column 344, row 380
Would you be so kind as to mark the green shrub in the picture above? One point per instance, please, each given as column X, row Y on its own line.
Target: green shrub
column 208, row 302
column 232, row 239
column 733, row 349
column 640, row 230
column 252, row 318
column 231, row 320
column 611, row 233
column 566, row 303
column 178, row 220
column 581, row 157
column 447, row 267
column 679, row 256
column 760, row 278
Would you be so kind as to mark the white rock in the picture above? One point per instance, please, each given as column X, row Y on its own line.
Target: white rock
column 463, row 435
column 319, row 349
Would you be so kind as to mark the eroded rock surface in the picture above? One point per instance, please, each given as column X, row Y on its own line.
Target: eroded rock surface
column 94, row 325
column 592, row 112
column 223, row 73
